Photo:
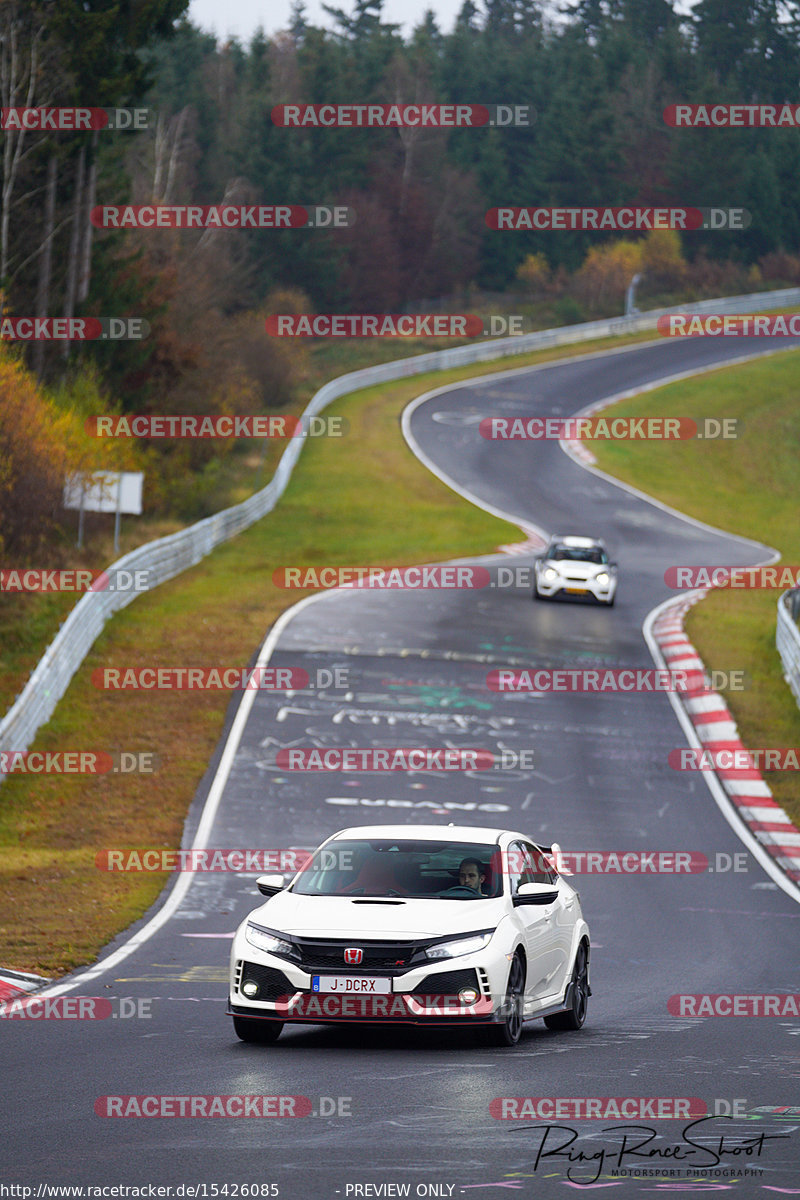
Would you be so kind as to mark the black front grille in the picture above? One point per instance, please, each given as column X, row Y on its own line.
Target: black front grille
column 448, row 983
column 272, row 984
column 390, row 958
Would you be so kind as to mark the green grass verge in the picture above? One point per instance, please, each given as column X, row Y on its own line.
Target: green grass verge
column 747, row 485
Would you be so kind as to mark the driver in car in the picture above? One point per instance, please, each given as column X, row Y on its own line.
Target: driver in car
column 471, row 875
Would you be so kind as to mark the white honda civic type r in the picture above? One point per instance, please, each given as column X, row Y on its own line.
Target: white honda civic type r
column 426, row 925
column 575, row 566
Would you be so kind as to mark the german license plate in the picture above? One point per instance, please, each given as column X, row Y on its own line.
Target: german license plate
column 352, row 985
column 576, row 591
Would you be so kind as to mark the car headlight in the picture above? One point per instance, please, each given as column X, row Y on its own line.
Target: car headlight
column 603, row 578
column 264, row 940
column 459, row 946
column 549, row 574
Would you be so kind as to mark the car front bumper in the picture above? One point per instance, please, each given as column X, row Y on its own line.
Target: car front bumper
column 427, row 994
column 587, row 588
column 398, row 1008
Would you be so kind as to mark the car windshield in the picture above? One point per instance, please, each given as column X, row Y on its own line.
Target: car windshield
column 589, row 554
column 411, row 869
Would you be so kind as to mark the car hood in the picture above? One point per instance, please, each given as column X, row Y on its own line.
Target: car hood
column 338, row 917
column 577, row 570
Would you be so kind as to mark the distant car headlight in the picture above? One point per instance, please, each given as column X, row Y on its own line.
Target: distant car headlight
column 267, row 941
column 459, row 946
column 603, row 578
column 549, row 574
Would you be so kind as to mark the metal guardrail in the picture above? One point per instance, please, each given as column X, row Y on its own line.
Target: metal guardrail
column 787, row 639
column 169, row 556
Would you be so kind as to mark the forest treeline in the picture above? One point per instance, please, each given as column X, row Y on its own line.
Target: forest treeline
column 598, row 74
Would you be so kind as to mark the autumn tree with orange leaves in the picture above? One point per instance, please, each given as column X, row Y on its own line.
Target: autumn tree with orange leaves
column 41, row 442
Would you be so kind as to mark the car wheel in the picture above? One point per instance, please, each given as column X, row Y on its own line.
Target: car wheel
column 575, row 1015
column 537, row 595
column 262, row 1032
column 508, row 1031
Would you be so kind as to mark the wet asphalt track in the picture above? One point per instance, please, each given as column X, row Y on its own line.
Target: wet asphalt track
column 417, row 665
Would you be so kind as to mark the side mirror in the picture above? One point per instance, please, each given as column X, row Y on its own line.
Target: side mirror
column 535, row 893
column 270, row 885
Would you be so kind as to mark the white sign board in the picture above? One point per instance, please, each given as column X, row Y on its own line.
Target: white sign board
column 105, row 491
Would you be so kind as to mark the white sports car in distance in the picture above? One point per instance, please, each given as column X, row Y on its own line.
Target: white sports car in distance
column 425, row 925
column 575, row 566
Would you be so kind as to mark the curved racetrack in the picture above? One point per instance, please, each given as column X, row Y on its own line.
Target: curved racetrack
column 417, row 664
